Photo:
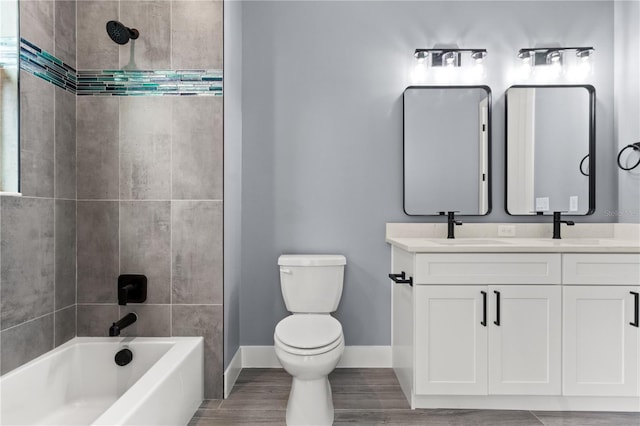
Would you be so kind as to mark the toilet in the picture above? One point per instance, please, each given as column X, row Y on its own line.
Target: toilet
column 309, row 343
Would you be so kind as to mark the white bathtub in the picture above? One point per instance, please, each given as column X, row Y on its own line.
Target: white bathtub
column 79, row 383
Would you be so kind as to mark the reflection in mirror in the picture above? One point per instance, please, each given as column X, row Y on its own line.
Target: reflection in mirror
column 550, row 150
column 9, row 107
column 447, row 141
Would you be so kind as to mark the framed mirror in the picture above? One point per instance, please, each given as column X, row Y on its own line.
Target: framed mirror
column 447, row 150
column 9, row 96
column 550, row 150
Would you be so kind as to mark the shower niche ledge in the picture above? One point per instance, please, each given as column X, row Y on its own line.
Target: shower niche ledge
column 484, row 326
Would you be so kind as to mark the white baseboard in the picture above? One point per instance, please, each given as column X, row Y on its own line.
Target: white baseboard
column 232, row 372
column 259, row 357
column 353, row 357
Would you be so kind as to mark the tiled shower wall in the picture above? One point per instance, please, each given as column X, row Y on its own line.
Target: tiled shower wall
column 38, row 230
column 150, row 177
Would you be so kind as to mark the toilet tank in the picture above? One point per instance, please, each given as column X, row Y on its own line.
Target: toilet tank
column 311, row 283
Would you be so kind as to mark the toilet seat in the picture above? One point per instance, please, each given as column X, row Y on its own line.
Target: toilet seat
column 308, row 334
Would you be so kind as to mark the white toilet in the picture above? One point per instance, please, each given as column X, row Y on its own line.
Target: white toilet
column 309, row 343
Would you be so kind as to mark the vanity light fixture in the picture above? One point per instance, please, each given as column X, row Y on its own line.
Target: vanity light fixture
column 447, row 57
column 555, row 58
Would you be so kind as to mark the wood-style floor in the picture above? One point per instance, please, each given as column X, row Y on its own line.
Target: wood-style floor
column 372, row 397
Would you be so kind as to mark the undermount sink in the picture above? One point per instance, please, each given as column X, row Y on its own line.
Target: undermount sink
column 469, row 242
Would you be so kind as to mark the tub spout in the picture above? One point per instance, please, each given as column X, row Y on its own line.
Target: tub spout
column 122, row 323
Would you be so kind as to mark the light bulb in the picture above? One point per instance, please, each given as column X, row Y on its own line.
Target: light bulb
column 421, row 56
column 419, row 73
column 478, row 56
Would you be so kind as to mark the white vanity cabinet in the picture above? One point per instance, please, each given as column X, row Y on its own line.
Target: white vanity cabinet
column 516, row 330
column 450, row 342
column 501, row 339
column 601, row 342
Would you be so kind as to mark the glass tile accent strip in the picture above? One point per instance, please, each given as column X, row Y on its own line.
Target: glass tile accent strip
column 46, row 66
column 118, row 82
column 146, row 82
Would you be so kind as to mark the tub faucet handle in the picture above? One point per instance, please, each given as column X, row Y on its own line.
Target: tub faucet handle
column 132, row 289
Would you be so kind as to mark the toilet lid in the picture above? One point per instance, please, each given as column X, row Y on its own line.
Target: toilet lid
column 308, row 331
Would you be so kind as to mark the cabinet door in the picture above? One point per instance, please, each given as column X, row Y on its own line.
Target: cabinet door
column 451, row 342
column 525, row 334
column 600, row 346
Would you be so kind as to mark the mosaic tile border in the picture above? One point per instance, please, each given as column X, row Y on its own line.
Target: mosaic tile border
column 157, row 82
column 118, row 82
column 46, row 66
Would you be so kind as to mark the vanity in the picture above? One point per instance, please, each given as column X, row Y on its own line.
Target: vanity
column 527, row 322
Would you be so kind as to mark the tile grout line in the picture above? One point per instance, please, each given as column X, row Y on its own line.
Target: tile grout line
column 55, row 151
column 171, row 193
column 28, row 321
column 537, row 418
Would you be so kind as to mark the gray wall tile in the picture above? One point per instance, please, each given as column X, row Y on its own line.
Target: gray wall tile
column 206, row 321
column 97, row 243
column 65, row 253
column 196, row 251
column 65, row 325
column 197, row 34
column 27, row 259
column 65, row 147
column 21, row 344
column 145, row 245
column 95, row 49
column 36, row 136
column 65, row 31
column 95, row 320
column 36, row 23
column 145, row 148
column 153, row 48
column 153, row 320
column 197, row 148
column 97, row 147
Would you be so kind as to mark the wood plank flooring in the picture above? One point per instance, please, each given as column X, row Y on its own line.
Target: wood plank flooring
column 372, row 397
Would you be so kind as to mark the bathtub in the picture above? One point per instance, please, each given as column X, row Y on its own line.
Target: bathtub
column 79, row 383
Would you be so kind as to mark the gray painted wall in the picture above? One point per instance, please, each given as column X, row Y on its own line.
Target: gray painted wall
column 232, row 176
column 627, row 78
column 322, row 125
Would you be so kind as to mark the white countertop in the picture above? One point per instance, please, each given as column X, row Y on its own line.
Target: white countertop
column 515, row 245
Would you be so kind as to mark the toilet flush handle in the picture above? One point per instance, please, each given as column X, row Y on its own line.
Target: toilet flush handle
column 285, row 271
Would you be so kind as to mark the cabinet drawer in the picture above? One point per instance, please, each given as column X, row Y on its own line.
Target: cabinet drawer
column 488, row 268
column 601, row 269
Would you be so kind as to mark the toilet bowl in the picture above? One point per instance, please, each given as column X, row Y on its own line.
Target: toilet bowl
column 309, row 359
column 309, row 343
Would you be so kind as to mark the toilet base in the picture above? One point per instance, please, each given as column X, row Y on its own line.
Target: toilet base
column 310, row 402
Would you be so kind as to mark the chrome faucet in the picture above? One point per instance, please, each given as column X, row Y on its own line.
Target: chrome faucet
column 557, row 220
column 122, row 323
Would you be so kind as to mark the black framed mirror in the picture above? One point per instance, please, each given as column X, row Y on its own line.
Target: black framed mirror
column 550, row 150
column 447, row 150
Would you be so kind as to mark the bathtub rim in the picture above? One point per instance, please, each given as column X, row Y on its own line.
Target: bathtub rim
column 159, row 371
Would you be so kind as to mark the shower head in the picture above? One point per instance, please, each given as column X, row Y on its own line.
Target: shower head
column 121, row 34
